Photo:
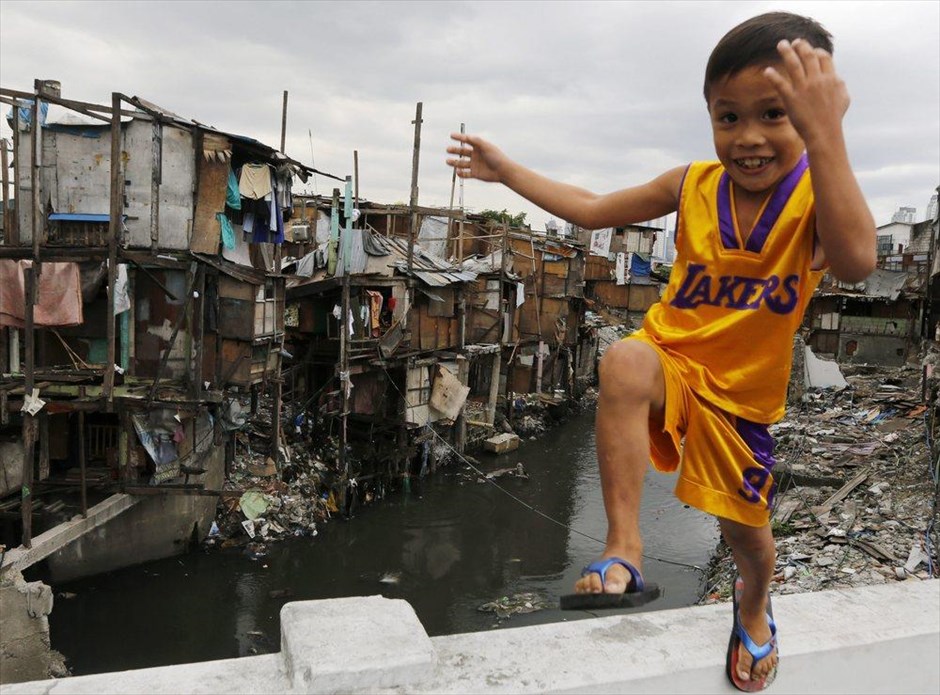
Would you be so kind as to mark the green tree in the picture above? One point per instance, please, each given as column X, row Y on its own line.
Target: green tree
column 504, row 216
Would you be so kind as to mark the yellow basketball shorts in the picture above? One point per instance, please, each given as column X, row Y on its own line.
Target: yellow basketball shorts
column 724, row 462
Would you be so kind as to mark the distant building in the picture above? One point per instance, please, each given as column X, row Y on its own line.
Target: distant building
column 932, row 208
column 904, row 214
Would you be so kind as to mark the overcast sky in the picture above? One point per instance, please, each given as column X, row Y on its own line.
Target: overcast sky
column 602, row 95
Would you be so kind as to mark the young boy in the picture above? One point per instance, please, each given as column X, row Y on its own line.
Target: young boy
column 708, row 371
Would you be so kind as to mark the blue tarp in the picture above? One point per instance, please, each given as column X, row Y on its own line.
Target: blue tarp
column 78, row 217
column 639, row 265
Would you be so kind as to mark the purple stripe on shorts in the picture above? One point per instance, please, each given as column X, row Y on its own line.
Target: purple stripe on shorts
column 759, row 440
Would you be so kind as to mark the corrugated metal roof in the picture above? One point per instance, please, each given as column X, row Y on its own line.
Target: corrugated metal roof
column 431, row 270
column 885, row 283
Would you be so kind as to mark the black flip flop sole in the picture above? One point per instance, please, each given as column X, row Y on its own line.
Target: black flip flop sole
column 580, row 602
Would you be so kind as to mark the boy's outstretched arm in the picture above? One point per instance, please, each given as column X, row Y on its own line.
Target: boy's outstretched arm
column 478, row 159
column 816, row 100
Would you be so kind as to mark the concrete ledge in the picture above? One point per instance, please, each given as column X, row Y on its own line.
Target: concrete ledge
column 348, row 644
column 879, row 639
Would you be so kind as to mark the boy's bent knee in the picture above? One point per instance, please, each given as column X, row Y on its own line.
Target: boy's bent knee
column 631, row 369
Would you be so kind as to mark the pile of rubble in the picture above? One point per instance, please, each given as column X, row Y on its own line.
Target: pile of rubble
column 856, row 497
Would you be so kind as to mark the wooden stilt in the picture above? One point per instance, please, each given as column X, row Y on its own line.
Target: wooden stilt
column 82, row 462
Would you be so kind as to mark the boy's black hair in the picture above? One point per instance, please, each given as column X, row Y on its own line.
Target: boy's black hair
column 755, row 41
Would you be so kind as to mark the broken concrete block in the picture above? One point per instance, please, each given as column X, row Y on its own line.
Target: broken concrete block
column 501, row 443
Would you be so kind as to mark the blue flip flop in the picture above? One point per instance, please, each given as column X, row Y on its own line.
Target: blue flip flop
column 638, row 592
column 740, row 636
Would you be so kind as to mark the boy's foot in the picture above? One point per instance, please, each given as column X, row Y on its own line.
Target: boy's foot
column 753, row 664
column 616, row 580
column 611, row 582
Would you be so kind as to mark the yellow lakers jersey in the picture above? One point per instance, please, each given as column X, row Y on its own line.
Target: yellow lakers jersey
column 734, row 301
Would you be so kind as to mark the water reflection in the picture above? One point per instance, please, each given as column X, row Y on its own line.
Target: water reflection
column 448, row 547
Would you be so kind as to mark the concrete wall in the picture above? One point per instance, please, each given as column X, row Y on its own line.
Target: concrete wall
column 873, row 349
column 11, row 466
column 877, row 639
column 156, row 527
column 25, row 653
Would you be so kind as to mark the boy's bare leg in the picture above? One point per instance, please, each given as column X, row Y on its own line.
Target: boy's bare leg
column 755, row 556
column 632, row 389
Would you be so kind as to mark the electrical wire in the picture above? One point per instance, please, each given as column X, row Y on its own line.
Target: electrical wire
column 525, row 504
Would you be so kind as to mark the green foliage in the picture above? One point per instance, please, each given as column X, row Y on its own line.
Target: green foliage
column 504, row 217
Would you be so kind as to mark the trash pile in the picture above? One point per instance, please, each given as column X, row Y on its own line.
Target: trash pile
column 507, row 606
column 856, row 487
column 271, row 500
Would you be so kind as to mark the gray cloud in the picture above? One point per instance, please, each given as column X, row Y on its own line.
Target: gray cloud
column 603, row 94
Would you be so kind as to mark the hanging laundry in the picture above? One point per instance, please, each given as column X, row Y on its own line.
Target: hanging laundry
column 58, row 296
column 284, row 181
column 375, row 304
column 122, row 302
column 255, row 181
column 228, row 232
column 233, row 197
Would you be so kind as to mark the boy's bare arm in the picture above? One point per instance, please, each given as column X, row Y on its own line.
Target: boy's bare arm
column 479, row 159
column 816, row 100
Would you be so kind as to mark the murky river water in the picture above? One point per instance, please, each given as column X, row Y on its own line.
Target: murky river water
column 453, row 544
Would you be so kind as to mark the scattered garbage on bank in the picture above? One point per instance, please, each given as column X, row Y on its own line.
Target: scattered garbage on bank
column 856, row 497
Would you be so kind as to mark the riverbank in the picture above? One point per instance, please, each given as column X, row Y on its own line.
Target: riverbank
column 857, row 490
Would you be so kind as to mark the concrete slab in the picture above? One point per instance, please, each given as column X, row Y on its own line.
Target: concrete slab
column 346, row 644
column 501, row 443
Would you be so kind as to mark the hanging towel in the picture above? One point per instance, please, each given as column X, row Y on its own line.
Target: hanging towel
column 58, row 297
column 233, row 197
column 228, row 232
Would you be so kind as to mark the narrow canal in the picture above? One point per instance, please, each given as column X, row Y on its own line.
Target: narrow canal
column 448, row 547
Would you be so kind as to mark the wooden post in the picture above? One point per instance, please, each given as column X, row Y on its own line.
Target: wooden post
column 494, row 388
column 284, row 123
column 413, row 204
column 344, row 371
column 538, row 378
column 156, row 178
column 115, row 224
column 198, row 331
column 82, row 462
column 29, row 421
column 463, row 375
column 4, row 173
column 36, row 175
column 453, row 185
column 356, row 177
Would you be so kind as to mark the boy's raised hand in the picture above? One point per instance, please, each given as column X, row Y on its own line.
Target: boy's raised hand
column 815, row 96
column 476, row 158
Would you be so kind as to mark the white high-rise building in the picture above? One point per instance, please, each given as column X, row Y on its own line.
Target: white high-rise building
column 932, row 208
column 905, row 215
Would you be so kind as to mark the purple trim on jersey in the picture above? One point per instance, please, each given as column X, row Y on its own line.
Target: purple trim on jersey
column 771, row 214
column 768, row 218
column 725, row 218
column 759, row 441
column 675, row 240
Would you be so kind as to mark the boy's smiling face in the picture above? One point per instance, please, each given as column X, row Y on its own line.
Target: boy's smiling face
column 754, row 139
